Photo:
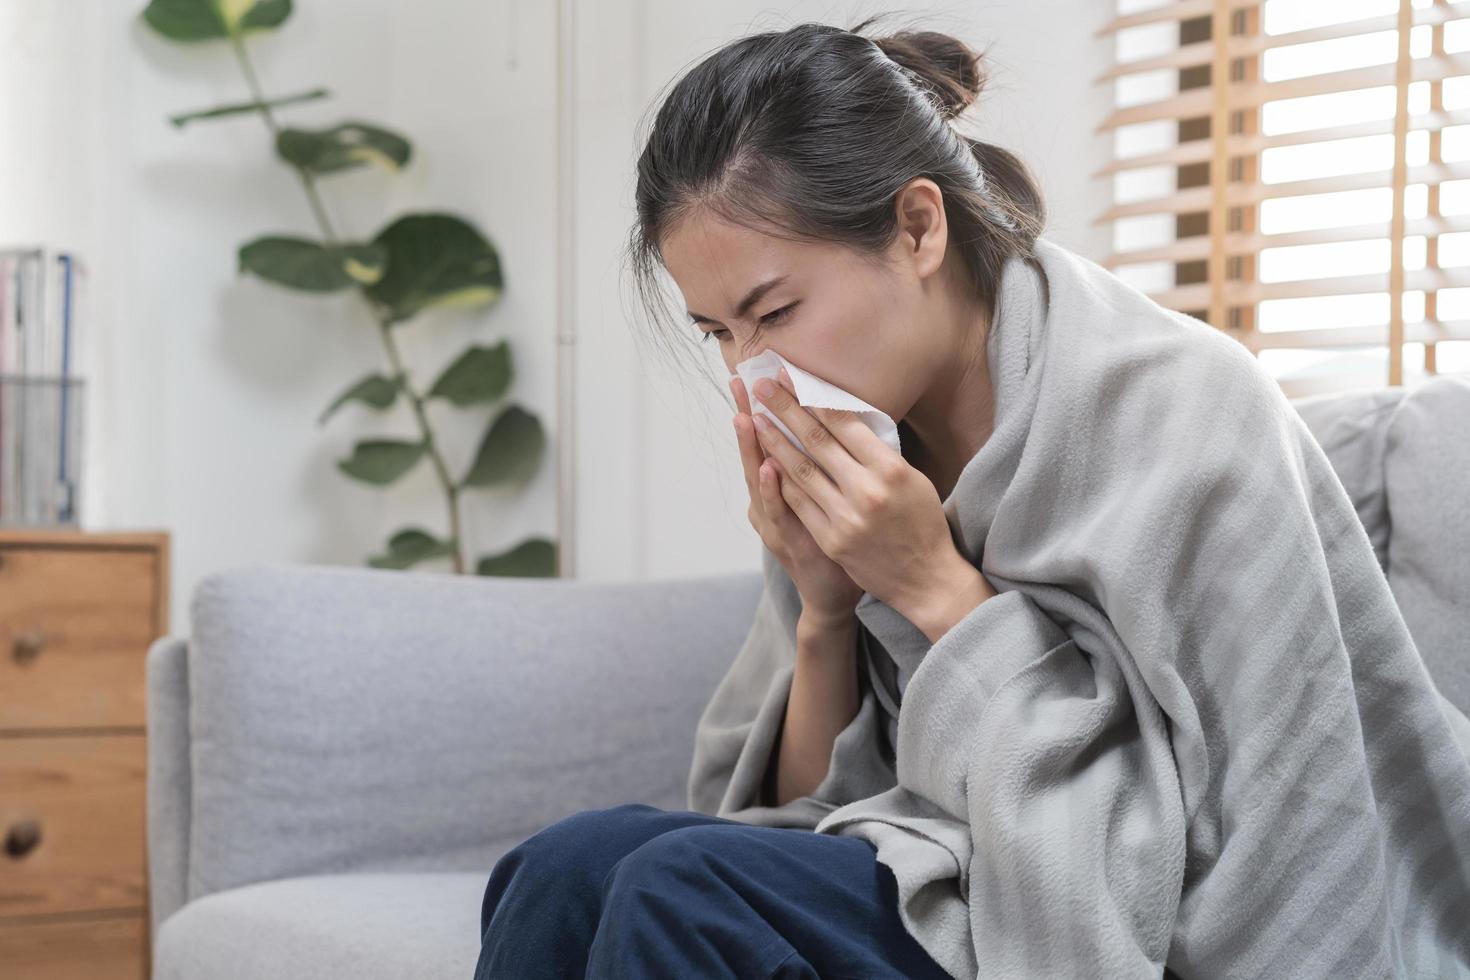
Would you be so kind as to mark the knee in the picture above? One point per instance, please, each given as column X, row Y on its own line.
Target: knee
column 560, row 855
column 582, row 829
column 660, row 888
column 676, row 858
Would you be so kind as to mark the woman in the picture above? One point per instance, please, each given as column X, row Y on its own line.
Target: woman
column 1160, row 713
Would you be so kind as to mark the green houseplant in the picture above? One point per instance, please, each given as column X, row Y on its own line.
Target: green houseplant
column 416, row 262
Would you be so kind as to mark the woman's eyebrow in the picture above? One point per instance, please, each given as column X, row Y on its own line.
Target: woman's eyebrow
column 751, row 298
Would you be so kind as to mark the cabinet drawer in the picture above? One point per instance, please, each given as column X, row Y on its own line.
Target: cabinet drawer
column 72, row 820
column 75, row 626
column 97, row 949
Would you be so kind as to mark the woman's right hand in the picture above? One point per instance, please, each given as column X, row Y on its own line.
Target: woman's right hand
column 825, row 588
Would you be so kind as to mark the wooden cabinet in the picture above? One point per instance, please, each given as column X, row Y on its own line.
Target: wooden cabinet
column 78, row 611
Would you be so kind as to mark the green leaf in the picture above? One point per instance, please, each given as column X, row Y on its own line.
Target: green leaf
column 411, row 546
column 208, row 20
column 511, row 450
column 254, row 15
column 350, row 144
column 481, row 374
column 236, row 108
column 532, row 558
column 382, row 461
column 186, row 20
column 435, row 260
column 364, row 263
column 300, row 263
column 376, row 390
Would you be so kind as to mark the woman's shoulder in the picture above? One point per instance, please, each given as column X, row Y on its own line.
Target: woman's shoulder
column 1108, row 336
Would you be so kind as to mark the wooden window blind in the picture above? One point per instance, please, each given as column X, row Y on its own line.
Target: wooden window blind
column 1297, row 173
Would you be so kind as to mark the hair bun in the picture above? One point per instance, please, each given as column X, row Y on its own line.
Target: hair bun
column 946, row 66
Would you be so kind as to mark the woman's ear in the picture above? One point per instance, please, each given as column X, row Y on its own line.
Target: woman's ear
column 923, row 232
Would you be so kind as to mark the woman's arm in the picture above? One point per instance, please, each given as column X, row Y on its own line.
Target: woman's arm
column 964, row 588
column 737, row 739
column 822, row 703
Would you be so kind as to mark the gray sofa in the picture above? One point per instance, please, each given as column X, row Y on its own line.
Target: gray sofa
column 338, row 756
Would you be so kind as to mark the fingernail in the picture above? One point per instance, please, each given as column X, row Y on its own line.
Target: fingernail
column 765, row 388
column 785, row 377
column 761, row 422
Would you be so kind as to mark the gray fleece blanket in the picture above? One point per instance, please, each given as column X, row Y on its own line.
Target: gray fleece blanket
column 1190, row 737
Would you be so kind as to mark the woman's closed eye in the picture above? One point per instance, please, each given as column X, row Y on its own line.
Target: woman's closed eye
column 770, row 319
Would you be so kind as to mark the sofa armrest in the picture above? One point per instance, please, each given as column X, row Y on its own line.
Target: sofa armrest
column 168, row 776
column 355, row 718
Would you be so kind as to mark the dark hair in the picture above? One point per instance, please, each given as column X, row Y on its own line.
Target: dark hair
column 809, row 133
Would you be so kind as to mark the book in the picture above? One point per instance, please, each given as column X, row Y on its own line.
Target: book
column 41, row 409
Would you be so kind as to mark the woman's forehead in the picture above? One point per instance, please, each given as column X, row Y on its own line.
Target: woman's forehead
column 703, row 235
column 716, row 262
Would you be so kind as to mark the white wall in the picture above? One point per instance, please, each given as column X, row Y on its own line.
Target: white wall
column 206, row 385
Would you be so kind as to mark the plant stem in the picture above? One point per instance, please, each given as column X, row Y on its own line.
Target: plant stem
column 313, row 198
column 381, row 316
column 451, row 491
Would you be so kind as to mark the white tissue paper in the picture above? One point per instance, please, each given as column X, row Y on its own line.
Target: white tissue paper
column 811, row 392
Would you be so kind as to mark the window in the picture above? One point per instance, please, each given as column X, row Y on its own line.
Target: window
column 1316, row 204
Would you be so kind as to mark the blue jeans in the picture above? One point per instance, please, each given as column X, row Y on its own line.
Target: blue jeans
column 634, row 891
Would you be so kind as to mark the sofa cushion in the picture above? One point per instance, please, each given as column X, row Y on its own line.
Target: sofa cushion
column 368, row 926
column 1427, row 474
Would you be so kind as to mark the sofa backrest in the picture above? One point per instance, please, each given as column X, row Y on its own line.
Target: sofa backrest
column 1403, row 455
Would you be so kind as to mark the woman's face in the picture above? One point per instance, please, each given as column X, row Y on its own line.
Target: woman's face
column 846, row 320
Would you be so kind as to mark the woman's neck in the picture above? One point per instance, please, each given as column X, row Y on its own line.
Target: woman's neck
column 956, row 414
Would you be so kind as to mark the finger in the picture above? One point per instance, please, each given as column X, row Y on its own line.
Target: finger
column 776, row 510
column 859, row 440
column 742, row 397
column 751, row 453
column 844, row 471
column 796, row 467
column 770, row 478
column 801, row 505
column 751, row 456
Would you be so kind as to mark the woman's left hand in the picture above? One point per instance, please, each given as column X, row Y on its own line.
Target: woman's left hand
column 871, row 512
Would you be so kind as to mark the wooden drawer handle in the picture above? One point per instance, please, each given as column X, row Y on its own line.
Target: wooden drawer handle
column 28, row 646
column 22, row 838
